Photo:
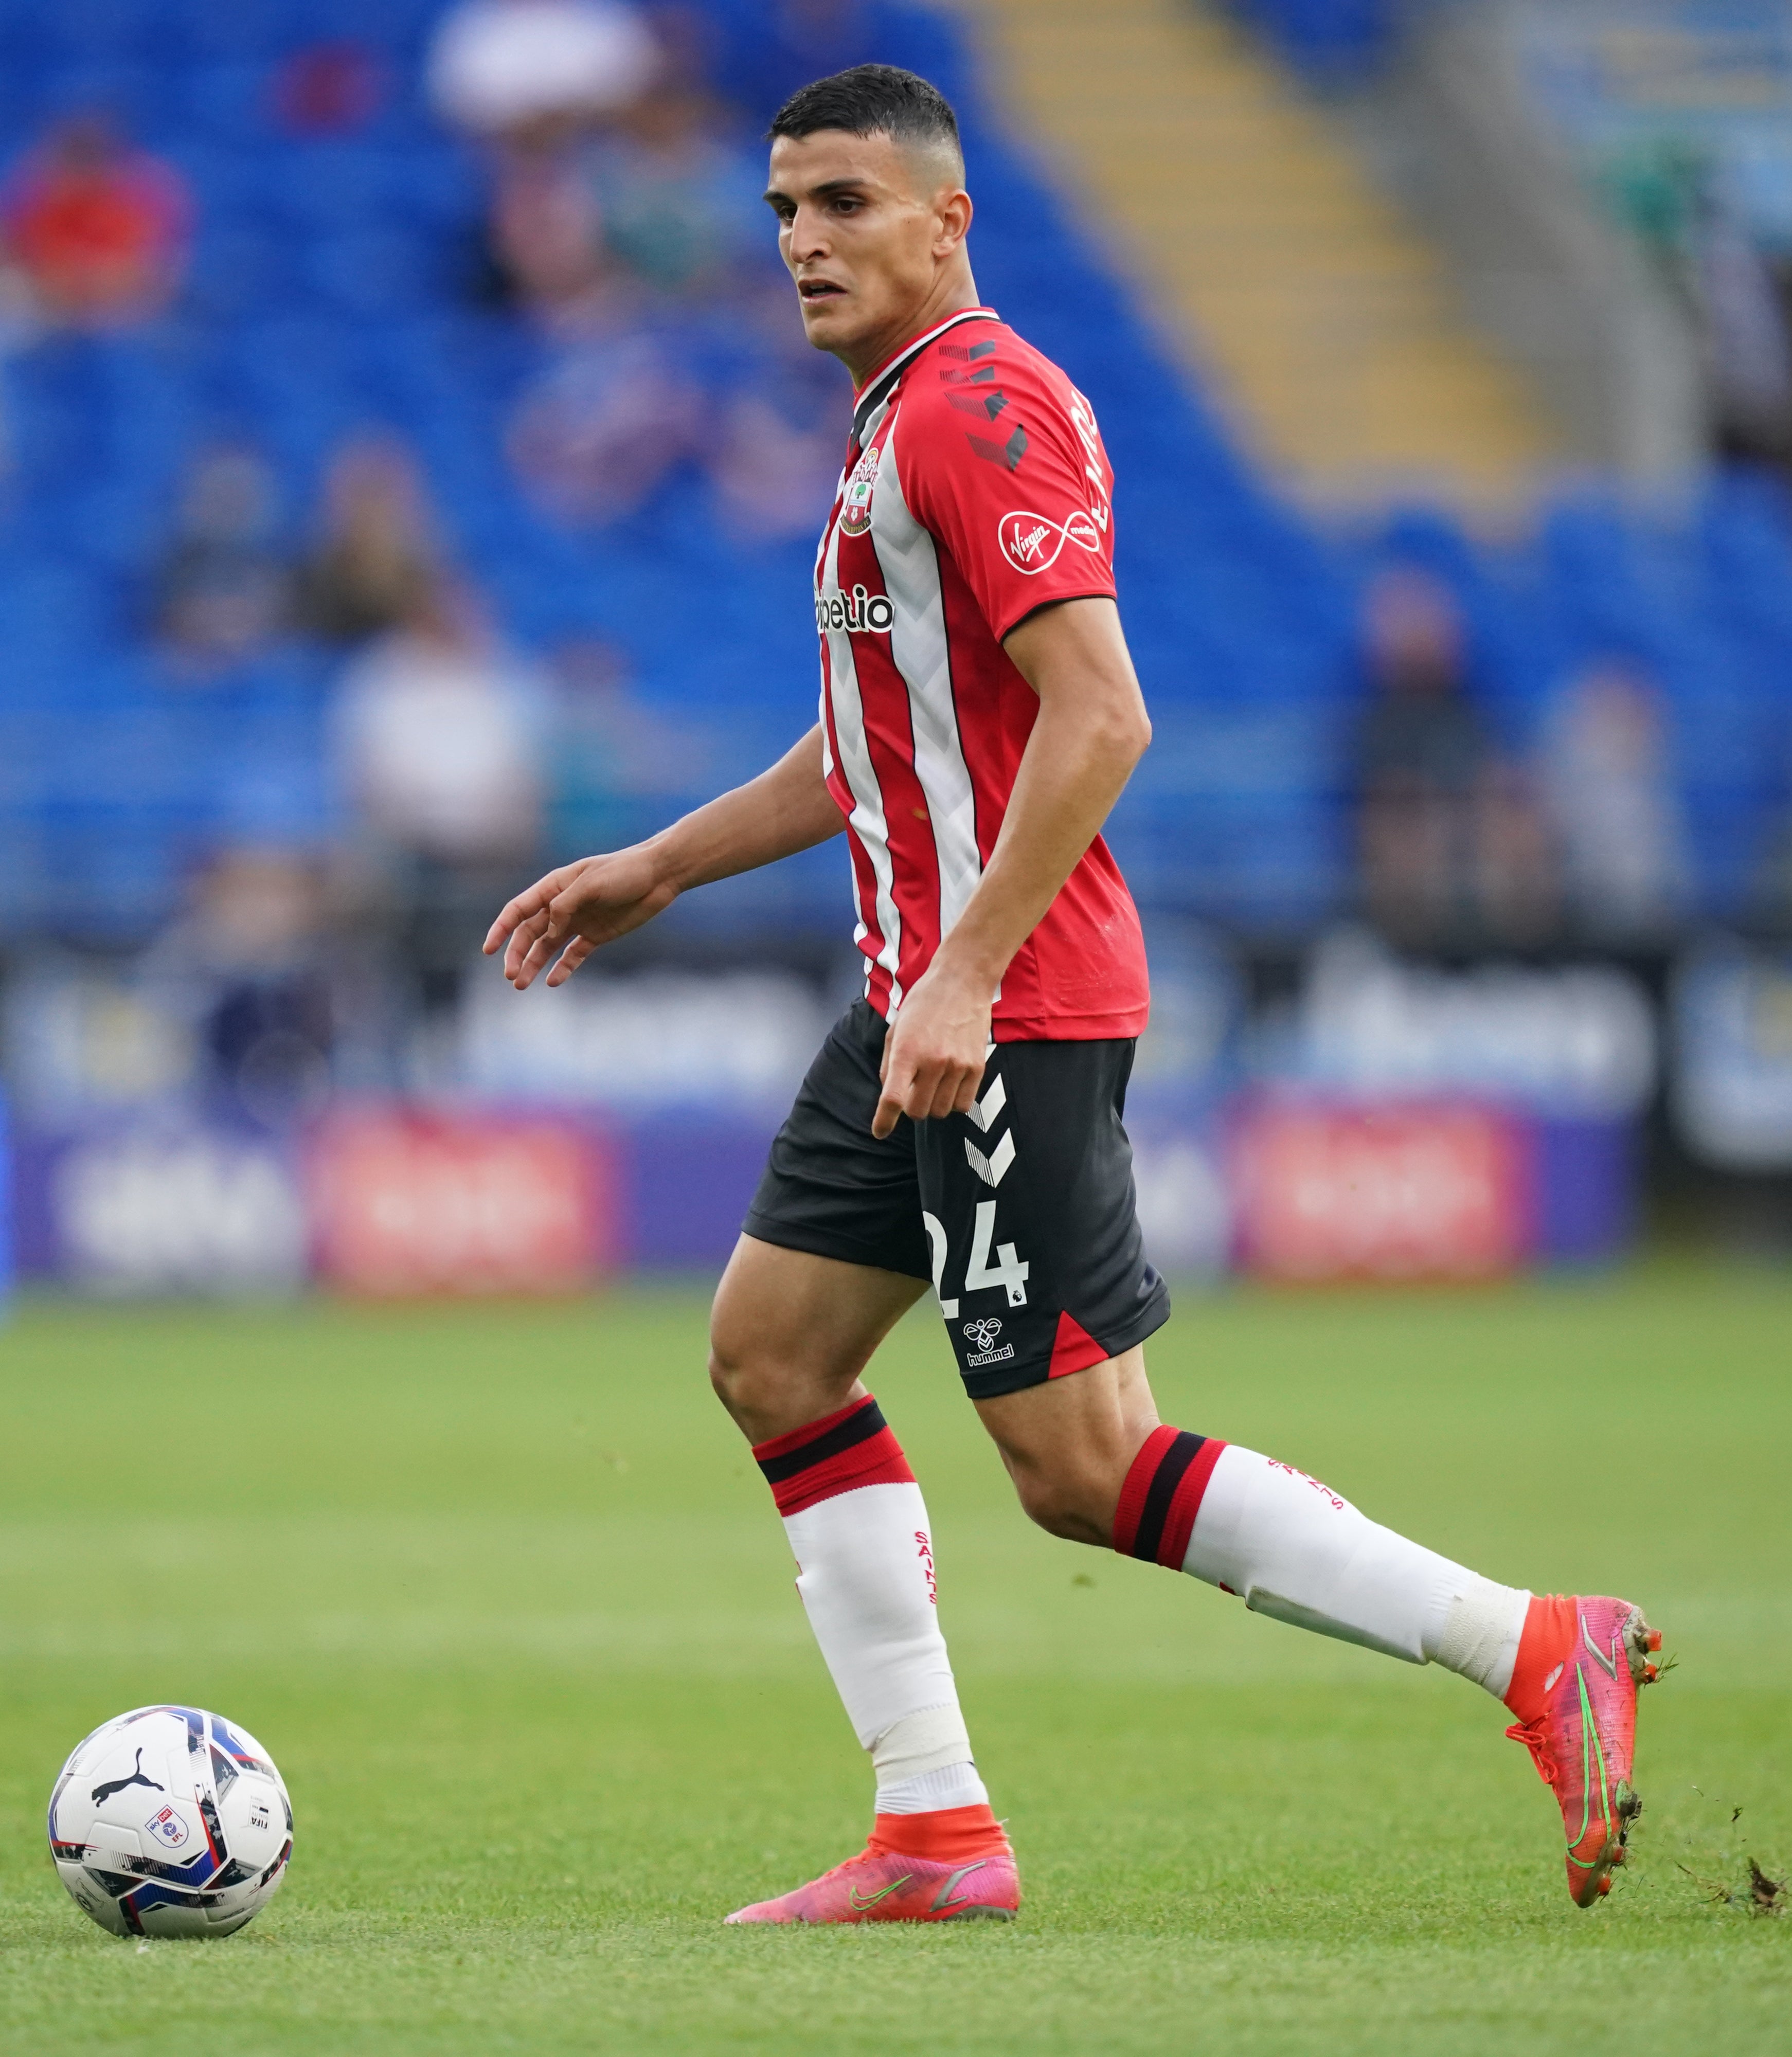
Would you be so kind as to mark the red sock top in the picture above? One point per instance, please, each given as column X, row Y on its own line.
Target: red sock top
column 851, row 1448
column 944, row 1835
column 1544, row 1645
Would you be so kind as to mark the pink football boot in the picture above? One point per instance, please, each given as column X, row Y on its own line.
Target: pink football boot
column 1580, row 1661
column 976, row 1880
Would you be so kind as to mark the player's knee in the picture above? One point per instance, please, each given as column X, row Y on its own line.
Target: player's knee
column 1067, row 1504
column 767, row 1388
column 735, row 1370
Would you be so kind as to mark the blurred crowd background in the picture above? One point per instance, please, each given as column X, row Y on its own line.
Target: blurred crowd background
column 410, row 465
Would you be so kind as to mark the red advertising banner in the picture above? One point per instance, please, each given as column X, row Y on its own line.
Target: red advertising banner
column 403, row 1202
column 1419, row 1191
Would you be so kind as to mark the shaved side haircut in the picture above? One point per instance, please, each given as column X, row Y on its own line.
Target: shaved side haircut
column 876, row 100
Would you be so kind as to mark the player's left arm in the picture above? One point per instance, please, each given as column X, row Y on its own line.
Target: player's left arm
column 1090, row 731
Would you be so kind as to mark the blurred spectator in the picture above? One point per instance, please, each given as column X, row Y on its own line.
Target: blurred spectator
column 774, row 455
column 439, row 729
column 611, row 420
column 222, row 592
column 1748, row 350
column 581, row 234
column 378, row 560
column 538, row 68
column 440, row 736
column 771, row 475
column 604, row 427
column 248, row 964
column 1615, row 812
column 545, row 235
column 329, row 88
column 1517, row 879
column 1421, row 751
column 1698, row 236
column 680, row 211
column 614, row 761
column 99, row 229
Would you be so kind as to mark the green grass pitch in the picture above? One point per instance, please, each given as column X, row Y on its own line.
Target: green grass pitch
column 502, row 1591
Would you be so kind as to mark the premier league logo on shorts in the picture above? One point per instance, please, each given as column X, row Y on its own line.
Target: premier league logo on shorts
column 982, row 1336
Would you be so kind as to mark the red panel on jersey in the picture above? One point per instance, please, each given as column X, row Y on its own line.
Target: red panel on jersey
column 975, row 491
column 998, row 471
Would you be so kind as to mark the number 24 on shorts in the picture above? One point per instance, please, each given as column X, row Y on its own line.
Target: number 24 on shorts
column 1009, row 1270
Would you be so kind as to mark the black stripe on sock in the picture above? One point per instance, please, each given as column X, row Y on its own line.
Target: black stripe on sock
column 859, row 1427
column 1162, row 1490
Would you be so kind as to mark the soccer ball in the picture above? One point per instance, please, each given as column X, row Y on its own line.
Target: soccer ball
column 170, row 1822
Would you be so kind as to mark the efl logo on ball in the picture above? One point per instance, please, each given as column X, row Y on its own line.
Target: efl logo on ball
column 1033, row 543
column 168, row 1829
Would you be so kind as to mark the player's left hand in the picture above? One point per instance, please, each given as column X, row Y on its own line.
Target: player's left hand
column 934, row 1054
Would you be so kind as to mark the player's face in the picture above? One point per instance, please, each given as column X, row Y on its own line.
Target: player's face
column 865, row 228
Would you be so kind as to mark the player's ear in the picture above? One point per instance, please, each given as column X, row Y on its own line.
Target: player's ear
column 953, row 209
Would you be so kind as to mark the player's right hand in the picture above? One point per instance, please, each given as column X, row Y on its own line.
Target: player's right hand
column 582, row 906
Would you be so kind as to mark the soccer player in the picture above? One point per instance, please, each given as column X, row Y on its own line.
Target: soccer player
column 962, row 1125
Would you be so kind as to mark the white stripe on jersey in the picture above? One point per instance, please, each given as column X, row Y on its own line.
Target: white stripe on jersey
column 910, row 563
column 867, row 815
column 861, row 928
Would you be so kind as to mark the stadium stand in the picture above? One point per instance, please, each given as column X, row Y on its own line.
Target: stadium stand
column 330, row 291
column 1322, row 321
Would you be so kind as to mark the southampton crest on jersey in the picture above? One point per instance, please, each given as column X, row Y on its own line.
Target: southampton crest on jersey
column 856, row 511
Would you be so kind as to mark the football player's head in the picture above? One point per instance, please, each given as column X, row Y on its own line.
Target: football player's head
column 868, row 184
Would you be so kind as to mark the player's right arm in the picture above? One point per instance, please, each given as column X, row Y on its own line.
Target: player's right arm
column 584, row 906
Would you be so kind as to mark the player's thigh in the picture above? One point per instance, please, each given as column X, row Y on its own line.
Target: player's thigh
column 1070, row 1442
column 833, row 1251
column 790, row 1332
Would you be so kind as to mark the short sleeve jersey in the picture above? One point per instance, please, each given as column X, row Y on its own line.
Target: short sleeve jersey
column 976, row 490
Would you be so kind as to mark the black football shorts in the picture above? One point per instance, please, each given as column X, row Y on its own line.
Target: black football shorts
column 1022, row 1213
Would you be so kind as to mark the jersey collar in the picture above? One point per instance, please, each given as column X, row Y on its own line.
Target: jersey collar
column 878, row 387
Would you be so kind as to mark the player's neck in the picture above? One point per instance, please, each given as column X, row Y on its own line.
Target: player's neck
column 951, row 295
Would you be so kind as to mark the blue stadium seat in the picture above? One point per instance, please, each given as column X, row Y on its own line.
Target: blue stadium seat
column 327, row 295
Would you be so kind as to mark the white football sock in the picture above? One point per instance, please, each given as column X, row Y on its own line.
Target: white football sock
column 951, row 1786
column 867, row 1579
column 1291, row 1547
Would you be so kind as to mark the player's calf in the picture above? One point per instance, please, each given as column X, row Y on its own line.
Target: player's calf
column 1293, row 1548
column 1069, row 1444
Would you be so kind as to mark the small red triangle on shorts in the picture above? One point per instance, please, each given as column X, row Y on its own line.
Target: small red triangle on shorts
column 1074, row 1348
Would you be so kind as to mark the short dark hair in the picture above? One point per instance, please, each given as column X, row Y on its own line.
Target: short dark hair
column 871, row 99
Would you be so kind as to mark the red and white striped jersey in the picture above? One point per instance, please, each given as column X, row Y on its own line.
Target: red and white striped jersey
column 976, row 490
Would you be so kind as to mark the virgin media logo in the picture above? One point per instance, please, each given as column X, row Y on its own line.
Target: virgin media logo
column 1034, row 542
